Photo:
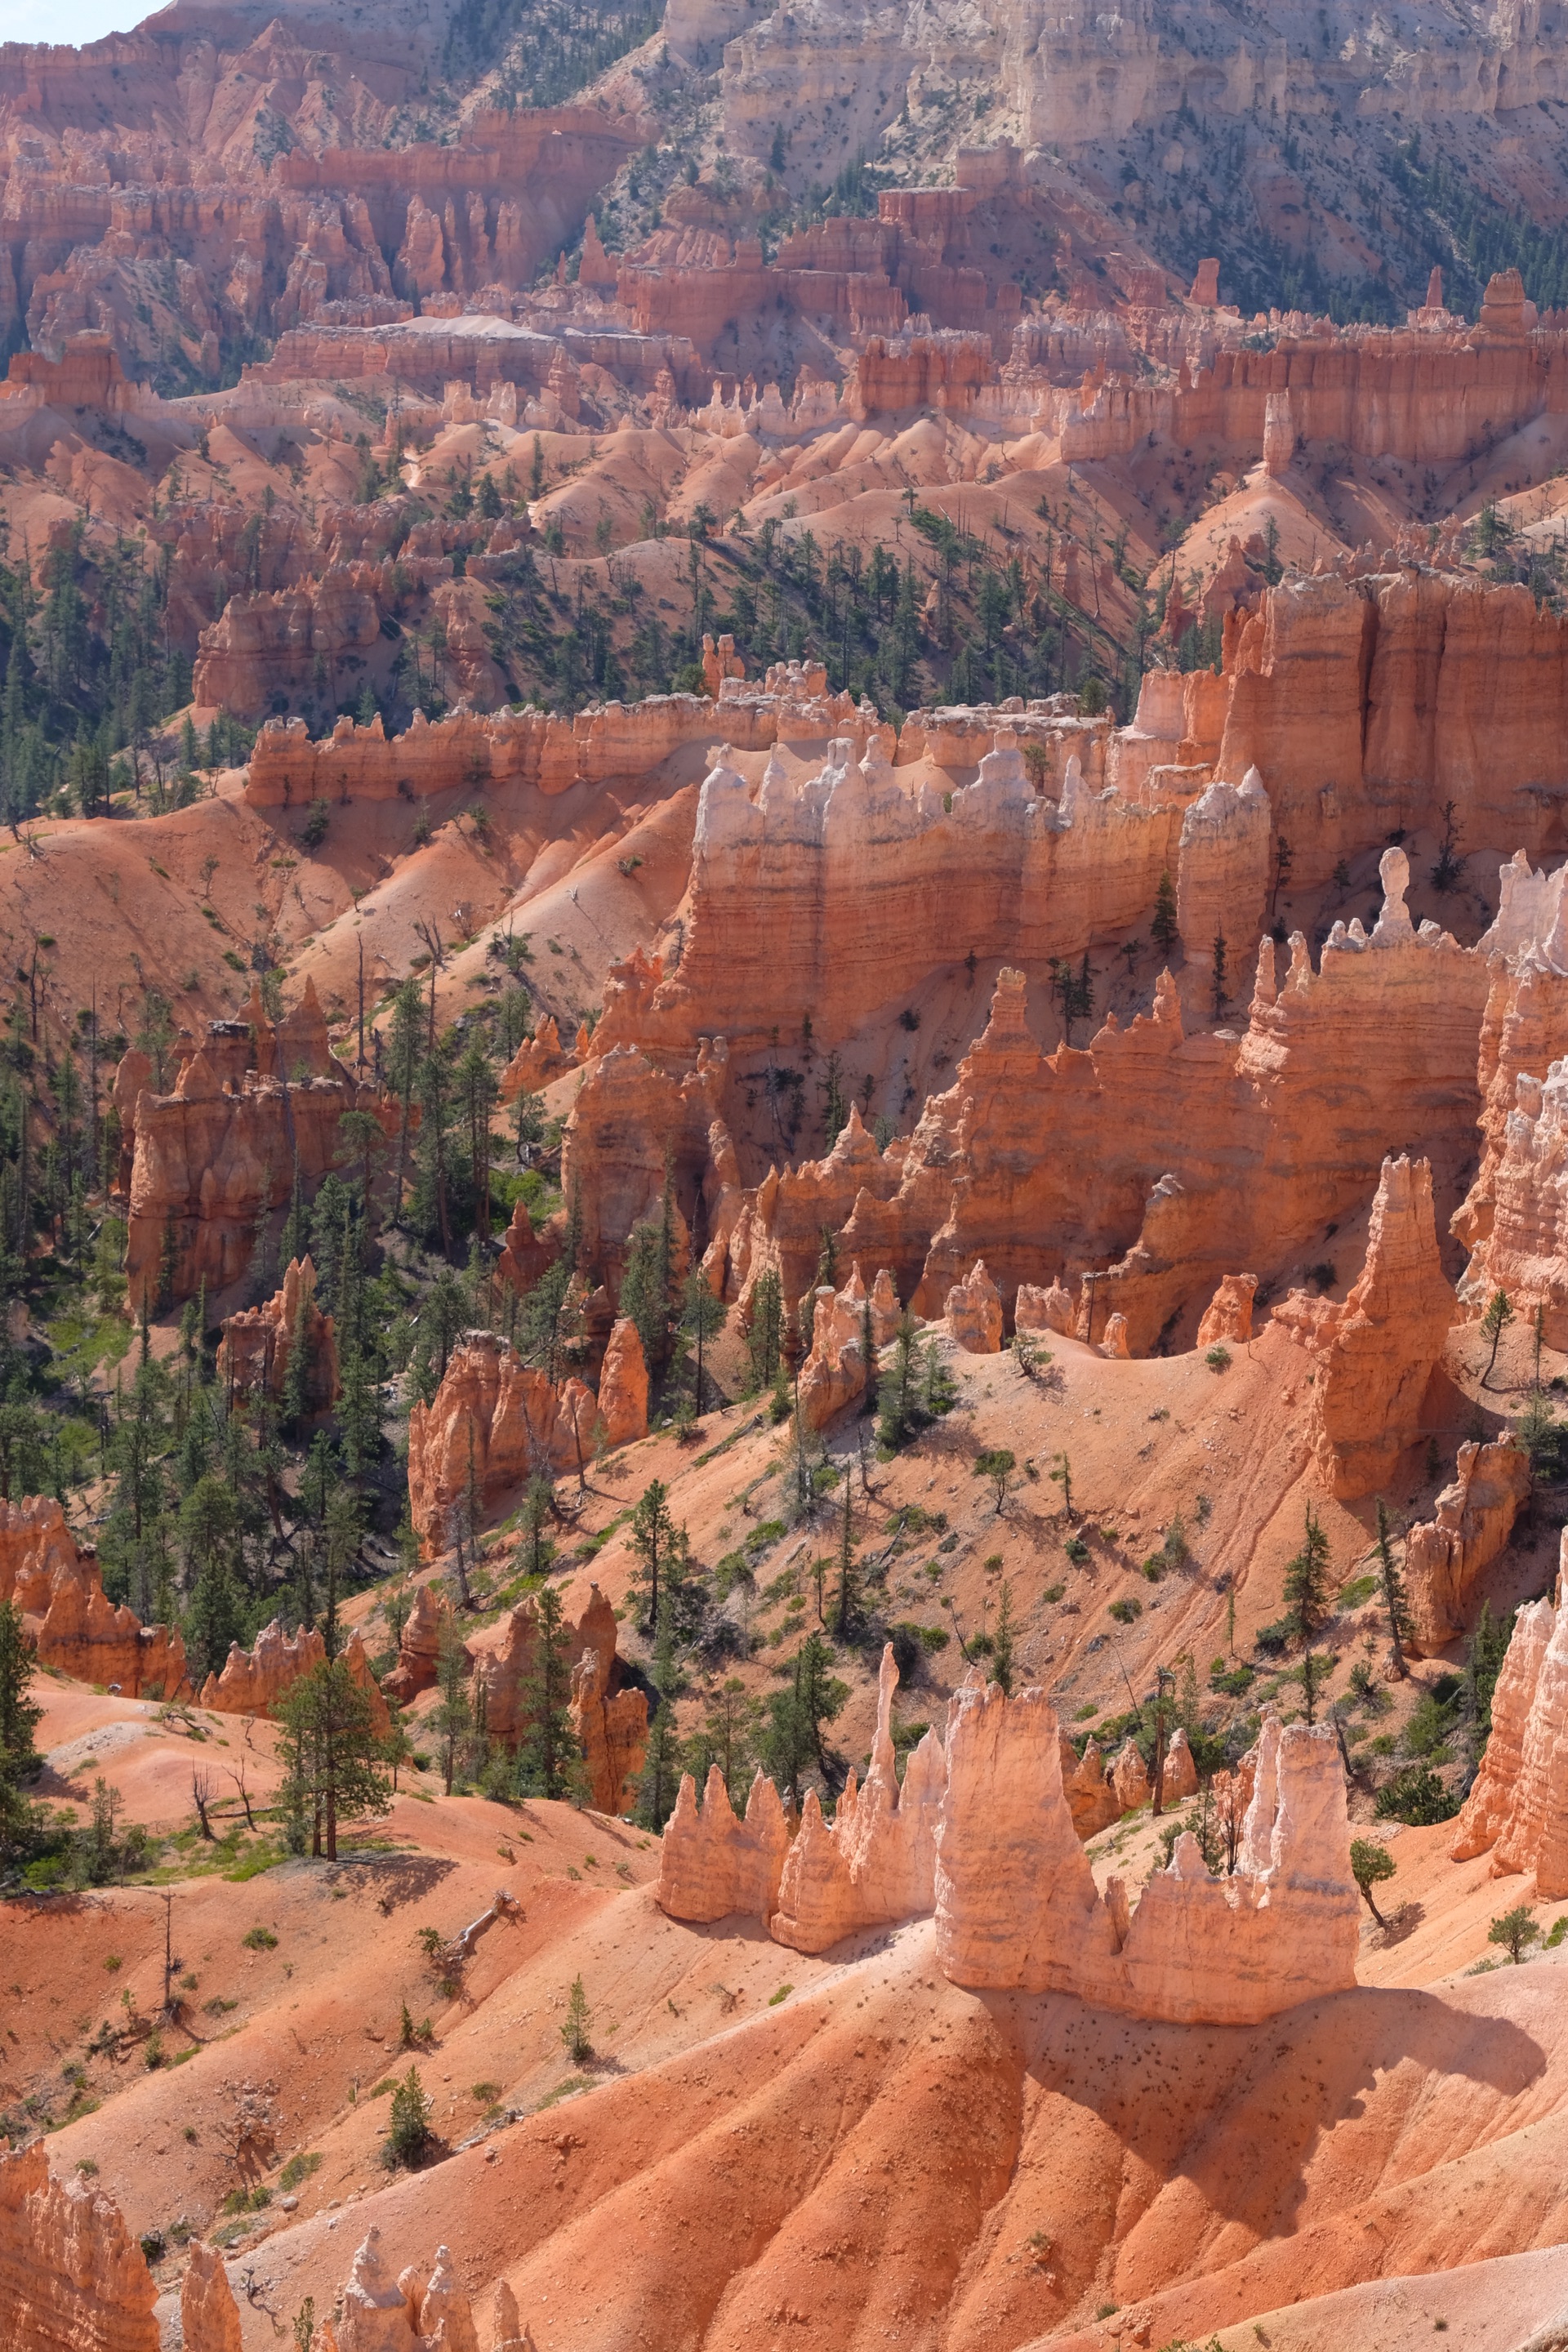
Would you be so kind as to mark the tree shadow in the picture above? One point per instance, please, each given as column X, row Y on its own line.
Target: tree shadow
column 398, row 1878
column 1400, row 1924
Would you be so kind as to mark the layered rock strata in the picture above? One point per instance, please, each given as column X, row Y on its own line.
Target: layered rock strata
column 836, row 1370
column 712, row 1866
column 1375, row 1353
column 72, row 2278
column 1017, row 1909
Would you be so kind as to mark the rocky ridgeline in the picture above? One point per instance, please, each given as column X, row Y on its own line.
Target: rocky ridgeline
column 984, row 1831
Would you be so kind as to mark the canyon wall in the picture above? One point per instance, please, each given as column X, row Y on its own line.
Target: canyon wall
column 72, row 2278
column 1518, row 1806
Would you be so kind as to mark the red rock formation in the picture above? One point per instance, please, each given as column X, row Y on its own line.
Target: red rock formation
column 209, row 2317
column 1375, row 1353
column 494, row 1421
column 1515, row 1218
column 806, row 895
column 1038, row 1309
column 630, row 1122
column 1130, row 1777
column 214, row 1156
column 1228, row 1314
column 259, row 1342
column 623, row 1387
column 537, row 1061
column 878, row 1862
column 712, row 1866
column 1180, row 1779
column 836, row 1372
column 1529, row 1715
column 418, row 1648
column 72, row 2278
column 973, row 1311
column 613, row 1727
column 1222, row 877
column 68, row 1618
column 1090, row 1791
column 1017, row 1909
column 1445, row 1555
column 254, row 1680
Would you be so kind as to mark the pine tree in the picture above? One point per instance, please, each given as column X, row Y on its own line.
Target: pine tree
column 333, row 1750
column 1494, row 1323
column 20, row 1717
column 1307, row 1581
column 765, row 1339
column 704, row 1317
column 550, row 1760
column 453, row 1715
column 661, row 1547
column 660, row 1777
column 1217, row 975
column 845, row 1608
column 1163, row 928
column 1396, row 1604
column 1002, row 1643
column 536, row 1549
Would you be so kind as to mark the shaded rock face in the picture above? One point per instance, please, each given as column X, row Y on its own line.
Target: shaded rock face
column 1445, row 1555
column 612, row 1725
column 1017, row 1909
column 1375, row 1354
column 69, row 1619
column 1518, row 1807
column 258, row 1343
column 72, row 2278
column 218, row 1153
column 252, row 1681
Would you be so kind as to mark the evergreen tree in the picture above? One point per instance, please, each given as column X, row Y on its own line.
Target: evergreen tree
column 1307, row 1582
column 644, row 1294
column 1163, row 928
column 765, row 1339
column 1002, row 1642
column 660, row 1546
column 19, row 1716
column 660, row 1779
column 550, row 1761
column 1397, row 1607
column 843, row 1609
column 333, row 1751
column 454, row 1716
column 703, row 1317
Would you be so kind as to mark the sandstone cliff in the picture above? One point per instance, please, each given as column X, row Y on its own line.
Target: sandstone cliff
column 258, row 1343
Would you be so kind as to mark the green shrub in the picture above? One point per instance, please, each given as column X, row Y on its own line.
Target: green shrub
column 1126, row 1611
column 409, row 2137
column 259, row 1939
column 1416, row 1796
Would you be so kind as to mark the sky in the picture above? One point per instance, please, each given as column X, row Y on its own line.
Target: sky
column 69, row 20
